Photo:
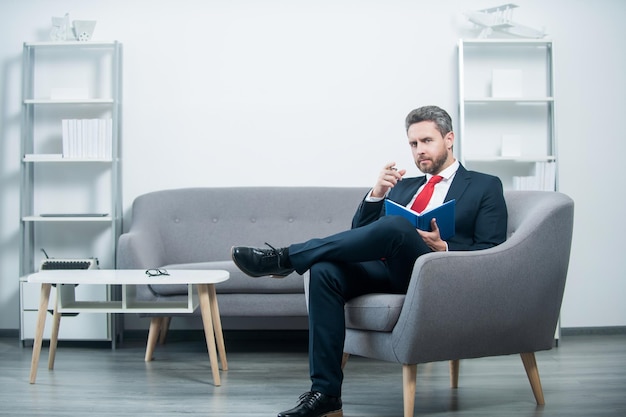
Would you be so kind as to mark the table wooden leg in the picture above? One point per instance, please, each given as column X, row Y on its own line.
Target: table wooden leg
column 41, row 323
column 207, row 321
column 165, row 327
column 153, row 335
column 54, row 336
column 217, row 327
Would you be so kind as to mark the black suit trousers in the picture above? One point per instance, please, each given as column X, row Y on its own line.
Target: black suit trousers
column 377, row 257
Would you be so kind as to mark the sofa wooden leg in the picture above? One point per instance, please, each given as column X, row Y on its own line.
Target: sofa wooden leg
column 530, row 364
column 153, row 335
column 344, row 359
column 409, row 379
column 454, row 373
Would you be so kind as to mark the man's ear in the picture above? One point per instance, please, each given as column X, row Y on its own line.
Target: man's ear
column 449, row 139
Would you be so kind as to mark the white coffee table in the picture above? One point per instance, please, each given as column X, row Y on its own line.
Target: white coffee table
column 128, row 279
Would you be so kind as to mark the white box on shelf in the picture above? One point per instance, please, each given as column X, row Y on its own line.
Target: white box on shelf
column 506, row 83
column 511, row 145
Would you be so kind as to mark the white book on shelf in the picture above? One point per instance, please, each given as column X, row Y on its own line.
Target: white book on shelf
column 93, row 138
column 100, row 139
column 527, row 183
column 108, row 142
column 84, row 139
column 540, row 172
column 549, row 176
column 87, row 138
column 106, row 130
column 543, row 179
column 69, row 138
column 78, row 139
column 65, row 136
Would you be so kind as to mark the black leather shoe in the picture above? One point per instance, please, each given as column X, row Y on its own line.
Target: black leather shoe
column 315, row 404
column 258, row 262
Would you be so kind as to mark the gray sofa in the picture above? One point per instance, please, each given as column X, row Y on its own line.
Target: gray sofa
column 194, row 228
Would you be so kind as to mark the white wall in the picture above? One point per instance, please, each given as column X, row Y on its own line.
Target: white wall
column 279, row 92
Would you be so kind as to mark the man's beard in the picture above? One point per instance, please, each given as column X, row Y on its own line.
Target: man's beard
column 435, row 167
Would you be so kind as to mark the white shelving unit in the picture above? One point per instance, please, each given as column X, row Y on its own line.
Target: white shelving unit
column 506, row 110
column 506, row 93
column 70, row 205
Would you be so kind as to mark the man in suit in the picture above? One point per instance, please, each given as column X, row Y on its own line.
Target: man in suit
column 378, row 253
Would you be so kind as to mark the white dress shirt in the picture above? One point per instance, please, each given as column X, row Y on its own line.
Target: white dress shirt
column 441, row 188
column 439, row 193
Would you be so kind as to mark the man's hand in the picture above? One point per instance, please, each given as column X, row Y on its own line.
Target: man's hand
column 433, row 239
column 387, row 179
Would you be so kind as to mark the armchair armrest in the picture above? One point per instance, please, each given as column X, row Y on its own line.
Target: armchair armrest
column 513, row 301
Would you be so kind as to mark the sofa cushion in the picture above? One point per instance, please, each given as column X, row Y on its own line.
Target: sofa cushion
column 375, row 312
column 193, row 225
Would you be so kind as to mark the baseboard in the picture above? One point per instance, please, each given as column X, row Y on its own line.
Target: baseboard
column 581, row 331
column 233, row 335
column 237, row 340
column 9, row 333
column 301, row 335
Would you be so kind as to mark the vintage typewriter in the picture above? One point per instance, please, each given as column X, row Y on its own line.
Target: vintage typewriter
column 54, row 263
column 69, row 263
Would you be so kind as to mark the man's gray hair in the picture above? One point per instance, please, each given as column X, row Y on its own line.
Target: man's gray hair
column 434, row 114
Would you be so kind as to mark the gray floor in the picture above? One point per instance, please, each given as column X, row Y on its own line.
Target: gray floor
column 584, row 376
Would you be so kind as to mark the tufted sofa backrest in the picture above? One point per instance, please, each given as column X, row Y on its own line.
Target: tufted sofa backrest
column 201, row 224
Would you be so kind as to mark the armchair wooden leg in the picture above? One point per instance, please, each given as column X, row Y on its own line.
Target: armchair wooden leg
column 530, row 364
column 344, row 359
column 454, row 373
column 165, row 327
column 409, row 377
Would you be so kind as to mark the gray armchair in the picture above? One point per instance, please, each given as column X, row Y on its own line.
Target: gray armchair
column 460, row 305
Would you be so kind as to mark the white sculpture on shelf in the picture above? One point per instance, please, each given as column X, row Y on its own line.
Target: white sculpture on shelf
column 63, row 31
column 61, row 28
column 83, row 29
column 500, row 18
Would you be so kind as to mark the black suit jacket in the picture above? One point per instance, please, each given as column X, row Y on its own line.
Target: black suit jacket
column 481, row 214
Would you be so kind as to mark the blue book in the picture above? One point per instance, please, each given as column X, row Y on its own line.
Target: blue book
column 444, row 214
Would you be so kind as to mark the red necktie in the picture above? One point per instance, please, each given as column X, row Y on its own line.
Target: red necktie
column 424, row 196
